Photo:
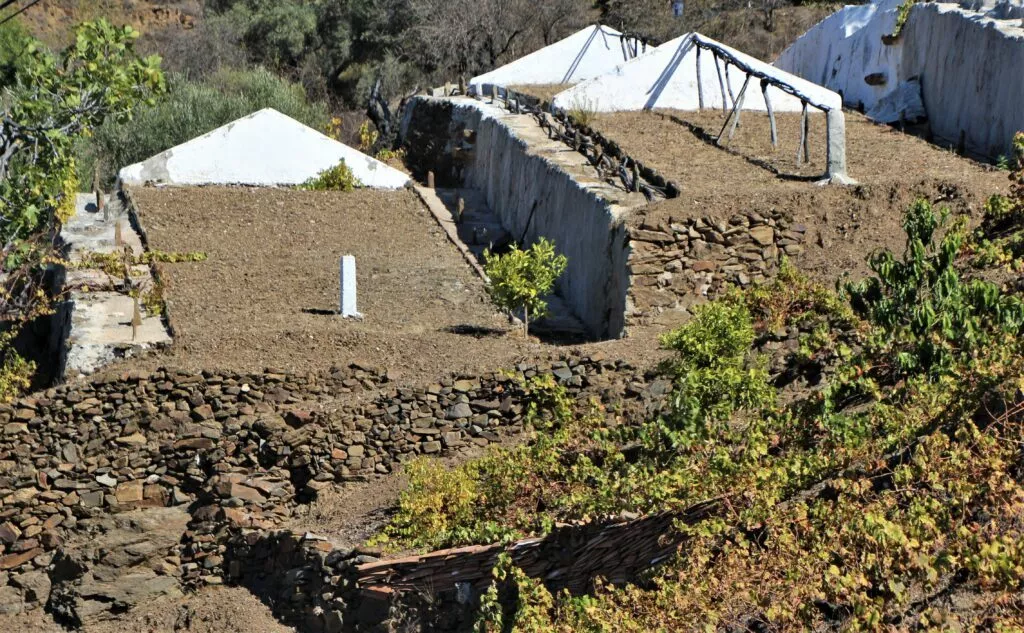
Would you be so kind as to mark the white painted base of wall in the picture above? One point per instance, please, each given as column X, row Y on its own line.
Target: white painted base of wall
column 266, row 148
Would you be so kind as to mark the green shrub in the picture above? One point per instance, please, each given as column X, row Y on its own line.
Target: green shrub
column 819, row 520
column 497, row 496
column 927, row 316
column 520, row 280
column 337, row 178
column 14, row 46
column 902, row 15
column 191, row 109
column 15, row 372
column 712, row 376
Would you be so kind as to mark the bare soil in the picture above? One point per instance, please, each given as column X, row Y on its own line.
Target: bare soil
column 267, row 296
column 54, row 21
column 351, row 513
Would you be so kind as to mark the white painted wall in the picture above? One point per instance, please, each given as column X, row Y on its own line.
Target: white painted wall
column 520, row 173
column 844, row 48
column 972, row 75
column 265, row 148
column 667, row 78
column 970, row 66
column 588, row 53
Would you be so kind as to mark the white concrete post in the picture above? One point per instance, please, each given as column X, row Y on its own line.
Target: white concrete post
column 836, row 123
column 348, row 288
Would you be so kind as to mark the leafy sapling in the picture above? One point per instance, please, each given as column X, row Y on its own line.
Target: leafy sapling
column 521, row 279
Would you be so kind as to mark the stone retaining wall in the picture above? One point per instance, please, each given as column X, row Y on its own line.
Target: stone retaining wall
column 621, row 272
column 241, row 449
column 528, row 182
column 675, row 264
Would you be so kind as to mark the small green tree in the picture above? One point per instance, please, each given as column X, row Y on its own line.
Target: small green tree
column 54, row 100
column 520, row 279
column 337, row 178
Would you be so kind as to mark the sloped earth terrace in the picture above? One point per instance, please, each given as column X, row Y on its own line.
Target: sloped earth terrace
column 264, row 297
column 267, row 295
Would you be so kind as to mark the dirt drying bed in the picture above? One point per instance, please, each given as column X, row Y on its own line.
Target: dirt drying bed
column 268, row 293
column 845, row 223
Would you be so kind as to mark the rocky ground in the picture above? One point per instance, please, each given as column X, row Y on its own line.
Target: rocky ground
column 126, row 491
column 52, row 21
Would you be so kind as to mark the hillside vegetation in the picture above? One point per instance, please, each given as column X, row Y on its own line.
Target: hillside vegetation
column 863, row 450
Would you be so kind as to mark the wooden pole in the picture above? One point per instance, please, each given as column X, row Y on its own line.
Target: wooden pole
column 136, row 316
column 801, row 152
column 728, row 84
column 721, row 84
column 734, row 117
column 771, row 114
column 700, row 84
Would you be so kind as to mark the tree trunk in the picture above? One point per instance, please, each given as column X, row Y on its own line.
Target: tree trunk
column 526, row 322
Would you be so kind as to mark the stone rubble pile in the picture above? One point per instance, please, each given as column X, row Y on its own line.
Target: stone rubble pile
column 676, row 264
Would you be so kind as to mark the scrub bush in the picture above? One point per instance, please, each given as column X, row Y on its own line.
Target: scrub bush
column 521, row 279
column 337, row 178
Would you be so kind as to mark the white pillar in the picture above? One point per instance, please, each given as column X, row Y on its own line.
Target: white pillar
column 836, row 126
column 348, row 287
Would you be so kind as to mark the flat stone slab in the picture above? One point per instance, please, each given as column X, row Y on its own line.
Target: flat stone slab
column 101, row 331
column 87, row 232
column 128, row 563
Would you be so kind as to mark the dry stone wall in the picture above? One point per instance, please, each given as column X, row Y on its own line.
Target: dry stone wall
column 239, row 450
column 639, row 267
column 675, row 264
